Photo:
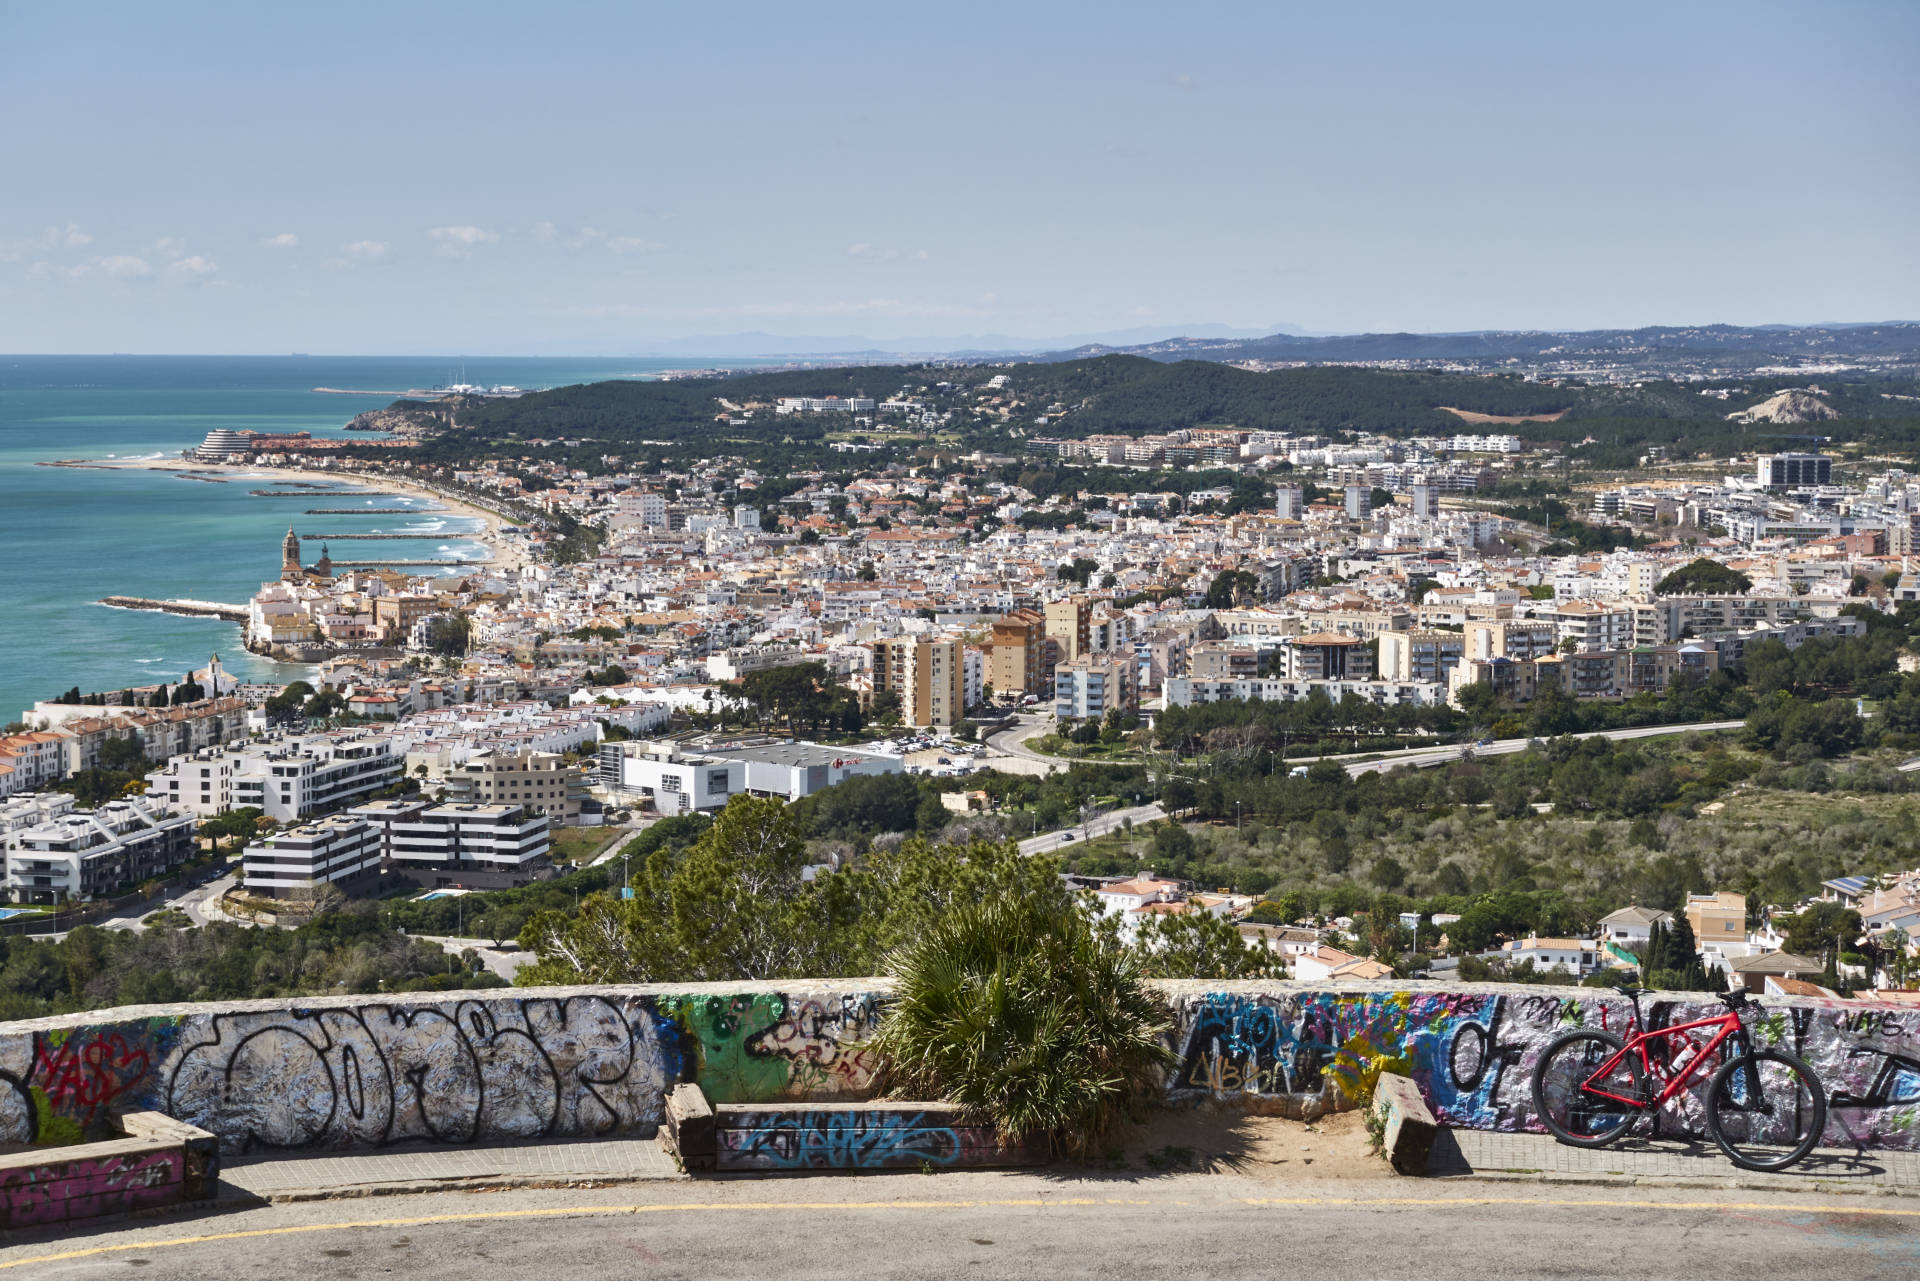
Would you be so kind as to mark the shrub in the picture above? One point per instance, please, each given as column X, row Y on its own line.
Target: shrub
column 1030, row 1017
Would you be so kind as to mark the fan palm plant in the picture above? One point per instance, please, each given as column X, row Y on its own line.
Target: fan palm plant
column 1026, row 1013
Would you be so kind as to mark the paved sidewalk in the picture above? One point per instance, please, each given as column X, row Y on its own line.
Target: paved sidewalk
column 1486, row 1154
column 414, row 1167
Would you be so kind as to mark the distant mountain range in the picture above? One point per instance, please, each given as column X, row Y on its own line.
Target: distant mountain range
column 765, row 344
column 1654, row 349
column 1899, row 340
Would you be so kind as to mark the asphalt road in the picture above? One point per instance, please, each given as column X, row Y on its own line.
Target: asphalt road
column 1098, row 825
column 1013, row 742
column 1012, row 1225
column 1422, row 757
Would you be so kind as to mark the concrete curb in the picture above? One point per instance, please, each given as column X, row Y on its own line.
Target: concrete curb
column 462, row 1183
column 1725, row 1183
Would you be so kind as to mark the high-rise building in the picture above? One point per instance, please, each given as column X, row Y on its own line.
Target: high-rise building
column 1095, row 684
column 1425, row 500
column 1019, row 652
column 1290, row 502
column 928, row 675
column 1070, row 624
column 1359, row 502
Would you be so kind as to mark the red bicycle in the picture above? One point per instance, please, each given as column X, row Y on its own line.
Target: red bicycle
column 1765, row 1108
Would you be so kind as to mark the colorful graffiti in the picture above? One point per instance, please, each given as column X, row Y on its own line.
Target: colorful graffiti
column 1473, row 1053
column 35, row 1195
column 770, row 1045
column 585, row 1061
column 851, row 1139
column 366, row 1072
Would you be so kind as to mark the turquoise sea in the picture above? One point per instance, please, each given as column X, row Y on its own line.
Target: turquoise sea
column 69, row 536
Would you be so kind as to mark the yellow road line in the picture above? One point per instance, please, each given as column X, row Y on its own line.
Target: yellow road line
column 728, row 1207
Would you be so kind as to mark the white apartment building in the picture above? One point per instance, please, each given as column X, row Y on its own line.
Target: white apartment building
column 341, row 851
column 286, row 778
column 474, row 846
column 67, row 855
column 1185, row 691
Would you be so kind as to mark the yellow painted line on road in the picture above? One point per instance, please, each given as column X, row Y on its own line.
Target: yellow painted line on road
column 1010, row 1203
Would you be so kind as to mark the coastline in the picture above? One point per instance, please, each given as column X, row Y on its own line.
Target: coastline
column 503, row 553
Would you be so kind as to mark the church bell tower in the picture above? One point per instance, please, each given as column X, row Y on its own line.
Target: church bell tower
column 290, row 570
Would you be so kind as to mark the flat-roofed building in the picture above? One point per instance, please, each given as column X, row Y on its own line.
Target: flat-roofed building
column 1019, row 654
column 296, row 862
column 1717, row 918
column 543, row 782
column 58, row 854
column 795, row 770
column 928, row 675
column 465, row 845
column 1096, row 684
column 1327, row 656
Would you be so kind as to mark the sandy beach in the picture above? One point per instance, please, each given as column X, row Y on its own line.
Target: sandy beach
column 505, row 552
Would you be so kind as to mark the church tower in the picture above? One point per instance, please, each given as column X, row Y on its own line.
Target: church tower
column 323, row 567
column 290, row 570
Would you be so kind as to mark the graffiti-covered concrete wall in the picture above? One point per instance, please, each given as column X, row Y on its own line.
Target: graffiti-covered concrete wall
column 521, row 1063
column 1472, row 1049
column 361, row 1071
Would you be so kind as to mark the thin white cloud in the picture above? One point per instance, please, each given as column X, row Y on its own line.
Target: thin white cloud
column 170, row 247
column 285, row 240
column 194, row 268
column 458, row 242
column 545, row 232
column 356, row 254
column 883, row 253
column 50, row 238
column 632, row 245
column 119, row 267
column 584, row 237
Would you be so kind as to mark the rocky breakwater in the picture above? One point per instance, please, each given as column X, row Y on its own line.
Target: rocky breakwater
column 189, row 608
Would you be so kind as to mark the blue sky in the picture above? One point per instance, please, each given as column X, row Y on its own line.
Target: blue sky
column 576, row 178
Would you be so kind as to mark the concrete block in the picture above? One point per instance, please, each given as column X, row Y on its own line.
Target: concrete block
column 861, row 1136
column 689, row 1129
column 200, row 1147
column 1410, row 1127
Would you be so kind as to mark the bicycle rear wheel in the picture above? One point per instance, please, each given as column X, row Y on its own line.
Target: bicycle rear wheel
column 1766, row 1110
column 1575, row 1107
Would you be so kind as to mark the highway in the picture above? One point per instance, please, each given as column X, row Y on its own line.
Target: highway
column 1098, row 825
column 1423, row 757
column 1055, row 1225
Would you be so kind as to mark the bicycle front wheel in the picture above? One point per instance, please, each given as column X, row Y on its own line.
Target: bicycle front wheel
column 1577, row 1105
column 1766, row 1110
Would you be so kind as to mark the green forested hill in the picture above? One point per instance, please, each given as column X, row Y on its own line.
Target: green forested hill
column 1133, row 394
column 1125, row 394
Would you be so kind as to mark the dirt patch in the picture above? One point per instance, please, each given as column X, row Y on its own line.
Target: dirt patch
column 1467, row 415
column 1174, row 1140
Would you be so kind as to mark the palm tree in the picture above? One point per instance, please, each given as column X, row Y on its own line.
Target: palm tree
column 1027, row 1014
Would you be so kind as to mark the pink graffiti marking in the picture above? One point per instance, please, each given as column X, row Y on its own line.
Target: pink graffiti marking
column 88, row 1187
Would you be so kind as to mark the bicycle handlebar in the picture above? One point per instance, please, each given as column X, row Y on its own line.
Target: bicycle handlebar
column 1737, row 999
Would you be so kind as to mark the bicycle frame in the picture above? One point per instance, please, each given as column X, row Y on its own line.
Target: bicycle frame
column 1728, row 1027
